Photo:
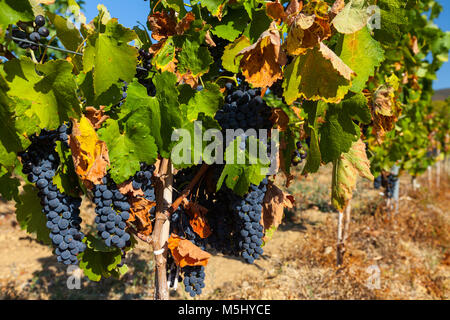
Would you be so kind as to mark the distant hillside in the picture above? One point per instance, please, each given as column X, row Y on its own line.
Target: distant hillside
column 441, row 94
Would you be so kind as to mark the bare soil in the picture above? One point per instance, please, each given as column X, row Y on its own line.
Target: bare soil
column 388, row 256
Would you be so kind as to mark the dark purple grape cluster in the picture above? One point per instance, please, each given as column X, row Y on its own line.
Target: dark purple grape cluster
column 299, row 155
column 193, row 279
column 243, row 109
column 277, row 89
column 143, row 180
column 35, row 33
column 222, row 222
column 40, row 162
column 250, row 232
column 377, row 182
column 217, row 51
column 113, row 210
column 389, row 185
column 142, row 72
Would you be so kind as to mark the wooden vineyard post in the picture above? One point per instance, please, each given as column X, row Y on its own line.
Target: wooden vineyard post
column 163, row 192
column 343, row 231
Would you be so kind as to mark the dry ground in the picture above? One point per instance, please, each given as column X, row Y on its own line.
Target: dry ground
column 411, row 252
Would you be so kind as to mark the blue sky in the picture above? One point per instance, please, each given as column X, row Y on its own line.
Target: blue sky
column 130, row 11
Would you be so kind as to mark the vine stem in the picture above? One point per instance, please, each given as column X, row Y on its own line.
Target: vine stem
column 163, row 190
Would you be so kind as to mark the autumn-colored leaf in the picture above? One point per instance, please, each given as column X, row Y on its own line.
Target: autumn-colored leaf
column 186, row 253
column 337, row 6
column 292, row 10
column 261, row 62
column 275, row 201
column 187, row 78
column 96, row 116
column 306, row 32
column 345, row 172
column 185, row 23
column 280, row 119
column 46, row 1
column 90, row 155
column 414, row 44
column 197, row 219
column 162, row 24
column 140, row 214
column 317, row 75
column 275, row 10
column 126, row 187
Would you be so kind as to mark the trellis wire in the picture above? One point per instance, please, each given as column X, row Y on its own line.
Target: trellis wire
column 58, row 49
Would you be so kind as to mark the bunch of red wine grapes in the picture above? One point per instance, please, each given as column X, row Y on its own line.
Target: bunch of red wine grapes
column 32, row 31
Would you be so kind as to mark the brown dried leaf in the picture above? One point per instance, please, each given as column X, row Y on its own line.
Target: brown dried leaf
column 280, row 119
column 209, row 39
column 275, row 201
column 384, row 112
column 162, row 24
column 140, row 214
column 186, row 253
column 414, row 45
column 187, row 78
column 292, row 10
column 306, row 32
column 197, row 219
column 275, row 10
column 96, row 116
column 338, row 6
column 185, row 23
column 89, row 154
column 261, row 62
column 126, row 187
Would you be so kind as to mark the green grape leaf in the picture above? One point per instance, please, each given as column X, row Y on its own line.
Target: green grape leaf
column 352, row 18
column 393, row 18
column 110, row 56
column 206, row 101
column 317, row 75
column 232, row 25
column 177, row 5
column 214, row 6
column 128, row 147
column 86, row 83
column 53, row 95
column 143, row 38
column 99, row 261
column 337, row 133
column 230, row 60
column 139, row 107
column 314, row 157
column 345, row 172
column 30, row 216
column 14, row 10
column 165, row 55
column 357, row 108
column 9, row 187
column 260, row 22
column 69, row 36
column 167, row 94
column 239, row 176
column 66, row 178
column 362, row 54
column 194, row 58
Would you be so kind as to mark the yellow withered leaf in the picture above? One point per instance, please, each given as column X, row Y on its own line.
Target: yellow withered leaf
column 261, row 62
column 90, row 155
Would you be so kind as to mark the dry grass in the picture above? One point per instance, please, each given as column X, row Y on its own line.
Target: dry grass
column 410, row 249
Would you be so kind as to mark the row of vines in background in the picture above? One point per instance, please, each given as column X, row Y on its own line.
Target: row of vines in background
column 89, row 109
